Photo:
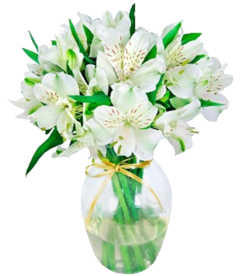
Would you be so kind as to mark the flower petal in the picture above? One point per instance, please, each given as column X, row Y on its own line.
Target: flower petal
column 102, row 82
column 108, row 21
column 181, row 138
column 212, row 113
column 114, row 49
column 64, row 124
column 82, row 85
column 126, row 141
column 104, row 63
column 148, row 75
column 124, row 97
column 74, row 148
column 161, row 92
column 52, row 60
column 108, row 117
column 146, row 142
column 182, row 80
column 95, row 47
column 47, row 116
column 185, row 113
column 191, row 50
column 142, row 114
column 100, row 77
column 101, row 135
column 45, row 95
column 135, row 52
column 37, row 69
column 66, row 85
column 21, row 103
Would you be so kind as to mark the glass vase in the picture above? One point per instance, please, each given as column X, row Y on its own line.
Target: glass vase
column 128, row 223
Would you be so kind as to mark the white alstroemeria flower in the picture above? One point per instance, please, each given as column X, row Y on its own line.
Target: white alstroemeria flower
column 127, row 123
column 120, row 23
column 36, row 69
column 182, row 80
column 58, row 56
column 212, row 82
column 177, row 54
column 97, row 80
column 58, row 109
column 123, row 60
column 29, row 103
column 174, row 127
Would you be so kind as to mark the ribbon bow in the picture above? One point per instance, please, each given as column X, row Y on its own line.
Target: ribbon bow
column 109, row 170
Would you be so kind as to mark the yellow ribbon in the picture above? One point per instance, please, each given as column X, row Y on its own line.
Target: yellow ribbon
column 109, row 170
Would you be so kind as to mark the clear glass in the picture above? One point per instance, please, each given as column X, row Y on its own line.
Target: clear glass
column 127, row 226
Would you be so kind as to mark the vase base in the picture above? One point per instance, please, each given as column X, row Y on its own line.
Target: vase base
column 127, row 249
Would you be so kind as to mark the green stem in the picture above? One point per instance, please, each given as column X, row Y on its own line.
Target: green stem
column 120, row 178
column 119, row 219
column 128, row 195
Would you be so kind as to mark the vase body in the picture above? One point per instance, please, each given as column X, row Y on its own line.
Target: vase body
column 128, row 224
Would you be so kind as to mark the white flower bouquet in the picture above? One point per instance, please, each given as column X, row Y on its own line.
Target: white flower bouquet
column 118, row 90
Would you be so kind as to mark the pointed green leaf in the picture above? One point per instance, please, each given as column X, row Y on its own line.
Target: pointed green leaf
column 32, row 55
column 209, row 103
column 169, row 37
column 79, row 43
column 152, row 54
column 152, row 95
column 133, row 19
column 69, row 70
column 32, row 40
column 197, row 58
column 54, row 43
column 90, row 108
column 89, row 60
column 88, row 34
column 77, row 38
column 54, row 140
column 190, row 37
column 99, row 98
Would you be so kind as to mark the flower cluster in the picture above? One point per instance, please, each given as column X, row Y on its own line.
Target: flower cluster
column 104, row 83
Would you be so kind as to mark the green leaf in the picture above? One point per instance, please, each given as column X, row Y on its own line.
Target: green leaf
column 54, row 140
column 69, row 70
column 152, row 95
column 178, row 103
column 90, row 108
column 54, row 43
column 77, row 38
column 190, row 37
column 90, row 61
column 32, row 40
column 32, row 55
column 152, row 54
column 99, row 98
column 88, row 34
column 209, row 103
column 79, row 43
column 197, row 58
column 169, row 37
column 132, row 19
